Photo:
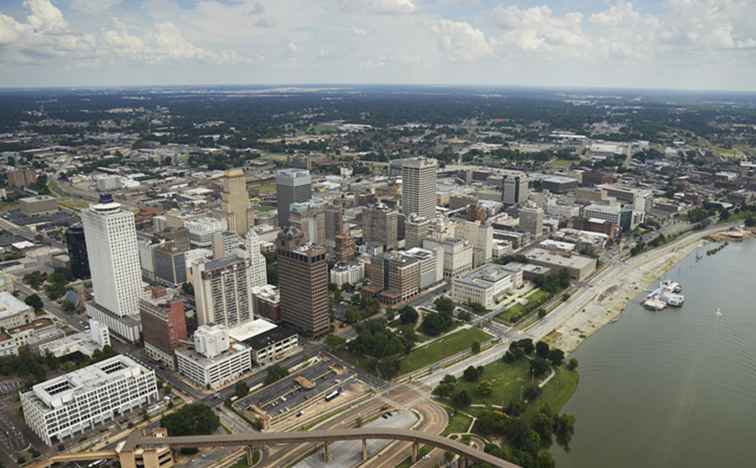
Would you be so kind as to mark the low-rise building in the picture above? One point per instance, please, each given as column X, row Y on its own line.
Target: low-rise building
column 349, row 273
column 577, row 266
column 86, row 342
column 214, row 360
column 458, row 255
column 38, row 205
column 486, row 286
column 266, row 302
column 273, row 345
column 14, row 312
column 76, row 402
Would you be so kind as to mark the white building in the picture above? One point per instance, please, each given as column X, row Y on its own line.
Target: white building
column 222, row 290
column 457, row 254
column 351, row 273
column 258, row 273
column 214, row 361
column 531, row 221
column 202, row 229
column 486, row 286
column 431, row 264
column 514, row 188
column 112, row 249
column 480, row 236
column 419, row 186
column 14, row 312
column 76, row 402
column 86, row 342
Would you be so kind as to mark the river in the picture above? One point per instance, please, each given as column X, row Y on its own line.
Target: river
column 676, row 388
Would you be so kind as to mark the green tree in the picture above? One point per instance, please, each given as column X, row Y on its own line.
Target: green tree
column 564, row 429
column 472, row 373
column 444, row 305
column 572, row 364
column 542, row 350
column 485, row 389
column 444, row 390
column 461, row 399
column 408, row 315
column 34, row 279
column 192, row 419
column 532, row 392
column 556, row 356
column 275, row 373
column 539, row 367
column 335, row 343
column 34, row 301
column 475, row 347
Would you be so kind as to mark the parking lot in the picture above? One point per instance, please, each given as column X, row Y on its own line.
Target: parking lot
column 286, row 394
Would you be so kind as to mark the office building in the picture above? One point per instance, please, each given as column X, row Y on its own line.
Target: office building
column 163, row 324
column 292, row 186
column 431, row 265
column 222, row 290
column 578, row 267
column 531, row 221
column 267, row 302
column 38, row 205
column 613, row 214
column 213, row 360
column 394, row 278
column 170, row 264
column 514, row 188
column 226, row 243
column 112, row 250
column 487, row 286
column 380, row 226
column 14, row 312
column 20, row 178
column 77, row 251
column 235, row 201
column 416, row 228
column 347, row 273
column 303, row 284
column 273, row 345
column 258, row 272
column 202, row 229
column 457, row 254
column 310, row 218
column 480, row 235
column 77, row 402
column 86, row 342
column 419, row 186
column 345, row 248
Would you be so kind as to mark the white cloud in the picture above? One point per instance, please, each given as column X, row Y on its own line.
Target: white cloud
column 10, row 30
column 538, row 28
column 94, row 7
column 461, row 42
column 387, row 7
column 45, row 17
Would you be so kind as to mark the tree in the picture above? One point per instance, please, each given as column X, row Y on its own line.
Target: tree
column 542, row 350
column 444, row 390
column 539, row 367
column 69, row 306
column 532, row 392
column 34, row 279
column 444, row 305
column 449, row 379
column 475, row 347
column 464, row 315
column 275, row 373
column 544, row 460
column 241, row 389
column 471, row 374
column 408, row 315
column 556, row 356
column 525, row 344
column 564, row 429
column 543, row 424
column 35, row 302
column 461, row 399
column 192, row 419
column 436, row 323
column 335, row 343
column 485, row 389
column 572, row 364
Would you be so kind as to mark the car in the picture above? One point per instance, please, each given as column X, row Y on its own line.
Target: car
column 300, row 413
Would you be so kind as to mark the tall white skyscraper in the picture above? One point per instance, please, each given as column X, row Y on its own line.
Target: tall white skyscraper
column 222, row 291
column 419, row 186
column 258, row 273
column 113, row 254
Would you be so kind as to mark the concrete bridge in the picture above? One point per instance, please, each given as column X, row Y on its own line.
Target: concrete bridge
column 142, row 449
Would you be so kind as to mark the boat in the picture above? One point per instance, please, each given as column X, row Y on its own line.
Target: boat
column 654, row 303
column 672, row 286
column 718, row 312
column 675, row 300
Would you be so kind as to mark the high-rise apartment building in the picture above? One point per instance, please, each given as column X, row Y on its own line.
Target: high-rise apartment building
column 514, row 188
column 222, row 291
column 531, row 221
column 292, row 186
column 345, row 247
column 163, row 324
column 258, row 273
column 77, row 251
column 303, row 284
column 419, row 186
column 416, row 228
column 480, row 236
column 380, row 225
column 112, row 250
column 235, row 201
column 310, row 218
column 170, row 264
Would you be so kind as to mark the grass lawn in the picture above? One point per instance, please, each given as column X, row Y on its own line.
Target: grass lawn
column 557, row 392
column 458, row 422
column 537, row 297
column 442, row 348
column 560, row 163
column 507, row 381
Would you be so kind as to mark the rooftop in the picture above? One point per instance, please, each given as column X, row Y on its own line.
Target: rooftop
column 485, row 276
column 10, row 305
column 567, row 261
column 269, row 337
column 250, row 329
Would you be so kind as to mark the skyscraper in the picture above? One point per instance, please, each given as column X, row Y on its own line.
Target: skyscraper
column 236, row 201
column 292, row 186
column 303, row 284
column 419, row 186
column 222, row 291
column 163, row 323
column 77, row 251
column 531, row 221
column 380, row 225
column 112, row 250
column 258, row 272
column 514, row 188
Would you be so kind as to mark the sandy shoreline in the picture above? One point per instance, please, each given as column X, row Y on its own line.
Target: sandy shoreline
column 616, row 289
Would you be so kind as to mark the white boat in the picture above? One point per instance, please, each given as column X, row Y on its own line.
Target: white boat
column 654, row 304
column 675, row 300
column 718, row 313
column 672, row 286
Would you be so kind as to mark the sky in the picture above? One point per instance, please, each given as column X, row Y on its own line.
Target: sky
column 668, row 44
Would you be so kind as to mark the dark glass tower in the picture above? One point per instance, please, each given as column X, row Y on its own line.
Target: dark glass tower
column 77, row 251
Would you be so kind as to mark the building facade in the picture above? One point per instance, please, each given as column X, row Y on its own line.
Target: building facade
column 163, row 325
column 486, row 286
column 531, row 221
column 292, row 186
column 514, row 188
column 76, row 402
column 380, row 226
column 235, row 201
column 77, row 251
column 419, row 186
column 214, row 361
column 223, row 290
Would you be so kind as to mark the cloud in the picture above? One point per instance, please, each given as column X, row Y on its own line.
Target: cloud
column 10, row 30
column 461, row 42
column 45, row 17
column 94, row 7
column 386, row 7
column 538, row 28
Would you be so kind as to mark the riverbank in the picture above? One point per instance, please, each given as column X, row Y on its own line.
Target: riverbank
column 614, row 288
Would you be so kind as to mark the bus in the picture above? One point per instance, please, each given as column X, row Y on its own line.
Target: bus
column 332, row 395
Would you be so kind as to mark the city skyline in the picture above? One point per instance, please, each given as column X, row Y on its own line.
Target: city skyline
column 670, row 44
